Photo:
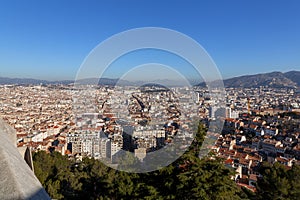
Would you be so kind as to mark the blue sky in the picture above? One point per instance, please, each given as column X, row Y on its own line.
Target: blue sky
column 50, row 39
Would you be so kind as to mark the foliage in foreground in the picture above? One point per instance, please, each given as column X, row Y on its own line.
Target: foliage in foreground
column 278, row 182
column 187, row 178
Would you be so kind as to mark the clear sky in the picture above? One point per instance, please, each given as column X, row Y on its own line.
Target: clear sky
column 50, row 39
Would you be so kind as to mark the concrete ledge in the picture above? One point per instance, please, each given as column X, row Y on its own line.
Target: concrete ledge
column 17, row 180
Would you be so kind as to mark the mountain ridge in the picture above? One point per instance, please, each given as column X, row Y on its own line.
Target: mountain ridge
column 271, row 79
column 274, row 79
column 290, row 79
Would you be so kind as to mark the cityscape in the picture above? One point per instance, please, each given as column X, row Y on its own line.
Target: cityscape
column 150, row 100
column 260, row 124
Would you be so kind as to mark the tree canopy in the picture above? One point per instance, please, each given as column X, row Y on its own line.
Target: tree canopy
column 278, row 182
column 187, row 178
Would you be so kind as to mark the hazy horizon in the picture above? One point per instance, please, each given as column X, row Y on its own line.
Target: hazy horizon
column 137, row 80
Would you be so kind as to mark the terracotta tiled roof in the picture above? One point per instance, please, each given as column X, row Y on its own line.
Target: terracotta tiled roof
column 228, row 161
column 253, row 177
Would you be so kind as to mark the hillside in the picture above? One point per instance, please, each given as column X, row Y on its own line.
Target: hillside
column 273, row 79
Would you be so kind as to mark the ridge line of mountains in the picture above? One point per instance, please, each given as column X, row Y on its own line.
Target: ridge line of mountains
column 289, row 79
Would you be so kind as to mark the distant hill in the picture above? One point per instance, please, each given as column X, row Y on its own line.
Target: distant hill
column 273, row 79
column 101, row 81
column 28, row 81
column 293, row 76
column 5, row 80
